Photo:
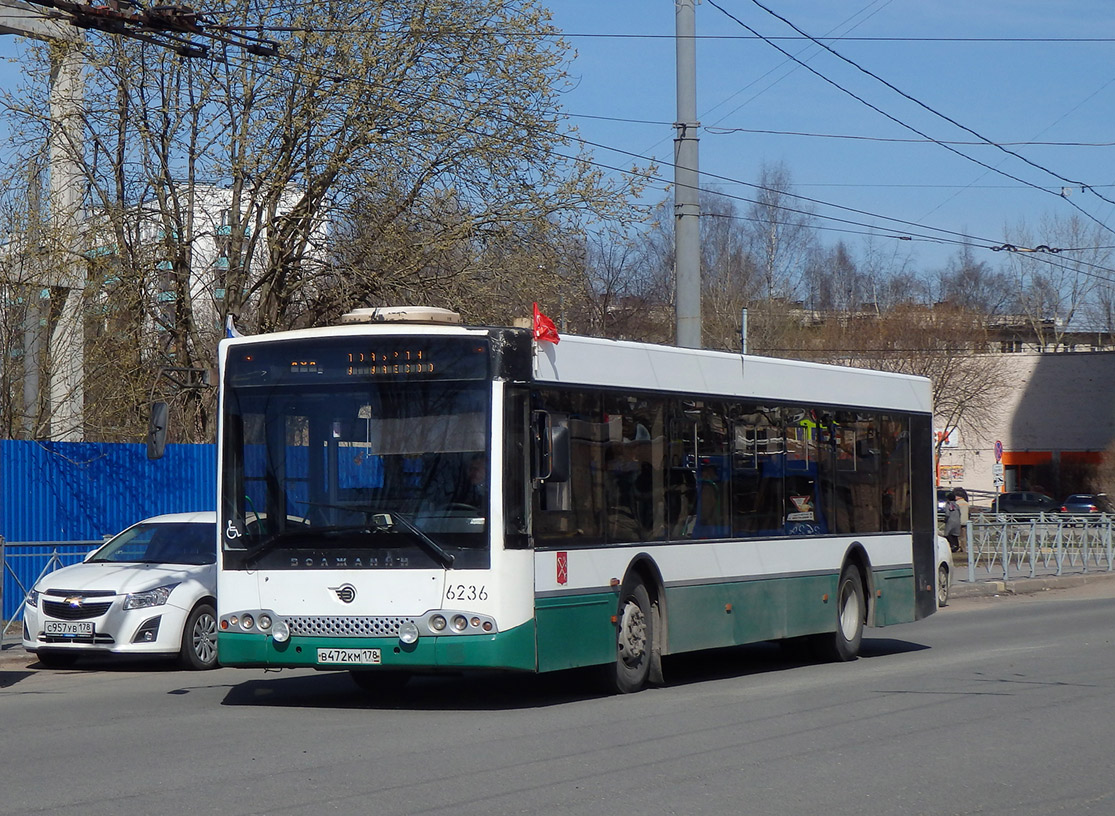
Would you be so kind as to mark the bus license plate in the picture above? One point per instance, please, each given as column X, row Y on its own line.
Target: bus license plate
column 68, row 628
column 349, row 657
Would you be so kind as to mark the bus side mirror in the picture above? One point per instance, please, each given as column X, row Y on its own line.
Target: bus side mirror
column 560, row 454
column 156, row 430
column 552, row 452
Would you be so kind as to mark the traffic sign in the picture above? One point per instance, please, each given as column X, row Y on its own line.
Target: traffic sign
column 998, row 451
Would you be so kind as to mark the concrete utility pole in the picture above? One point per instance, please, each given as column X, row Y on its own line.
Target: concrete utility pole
column 65, row 272
column 687, row 183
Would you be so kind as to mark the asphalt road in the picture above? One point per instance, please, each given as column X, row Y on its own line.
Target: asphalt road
column 993, row 706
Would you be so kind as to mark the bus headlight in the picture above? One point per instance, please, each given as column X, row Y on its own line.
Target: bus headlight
column 408, row 632
column 280, row 631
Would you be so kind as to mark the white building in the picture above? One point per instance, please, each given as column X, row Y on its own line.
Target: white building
column 1057, row 418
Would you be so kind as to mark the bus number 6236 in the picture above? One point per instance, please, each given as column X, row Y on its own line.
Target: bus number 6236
column 461, row 592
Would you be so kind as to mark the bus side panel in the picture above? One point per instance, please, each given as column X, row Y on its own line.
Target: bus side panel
column 712, row 616
column 575, row 630
column 897, row 601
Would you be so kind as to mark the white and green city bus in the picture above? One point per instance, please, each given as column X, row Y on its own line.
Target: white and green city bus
column 401, row 496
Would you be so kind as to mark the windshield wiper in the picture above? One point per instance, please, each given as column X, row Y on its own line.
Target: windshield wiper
column 387, row 520
column 378, row 522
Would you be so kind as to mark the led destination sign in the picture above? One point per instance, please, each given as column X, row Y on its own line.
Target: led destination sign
column 340, row 359
column 398, row 361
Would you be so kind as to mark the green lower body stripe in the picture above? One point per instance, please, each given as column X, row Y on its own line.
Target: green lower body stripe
column 578, row 630
column 513, row 649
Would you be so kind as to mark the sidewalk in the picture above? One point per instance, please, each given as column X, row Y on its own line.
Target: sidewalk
column 1022, row 586
column 13, row 655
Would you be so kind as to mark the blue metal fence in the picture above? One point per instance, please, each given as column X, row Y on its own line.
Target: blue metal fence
column 57, row 492
column 25, row 563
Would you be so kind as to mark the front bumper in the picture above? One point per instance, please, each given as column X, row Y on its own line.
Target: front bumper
column 513, row 650
column 155, row 630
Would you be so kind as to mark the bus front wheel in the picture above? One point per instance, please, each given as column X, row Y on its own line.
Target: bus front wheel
column 851, row 611
column 634, row 640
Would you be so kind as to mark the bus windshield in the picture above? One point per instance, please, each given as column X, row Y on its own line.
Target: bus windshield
column 354, row 472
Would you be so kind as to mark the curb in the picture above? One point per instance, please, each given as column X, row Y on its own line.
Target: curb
column 1024, row 586
column 13, row 654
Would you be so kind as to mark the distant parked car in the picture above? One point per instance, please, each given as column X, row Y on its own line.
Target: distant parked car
column 1024, row 501
column 1087, row 503
column 151, row 590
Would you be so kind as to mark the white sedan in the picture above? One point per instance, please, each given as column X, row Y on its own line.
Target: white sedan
column 151, row 590
column 944, row 571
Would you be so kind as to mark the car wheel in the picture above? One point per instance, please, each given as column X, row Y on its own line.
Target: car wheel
column 199, row 639
column 56, row 660
column 942, row 585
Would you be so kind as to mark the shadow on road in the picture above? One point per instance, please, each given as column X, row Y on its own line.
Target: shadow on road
column 501, row 691
column 10, row 678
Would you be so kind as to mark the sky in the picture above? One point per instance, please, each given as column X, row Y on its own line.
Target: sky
column 1016, row 73
column 1011, row 71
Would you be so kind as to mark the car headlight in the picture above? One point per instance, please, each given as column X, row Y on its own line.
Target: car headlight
column 33, row 598
column 152, row 597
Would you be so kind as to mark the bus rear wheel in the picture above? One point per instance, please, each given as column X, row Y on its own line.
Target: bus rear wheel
column 634, row 640
column 851, row 611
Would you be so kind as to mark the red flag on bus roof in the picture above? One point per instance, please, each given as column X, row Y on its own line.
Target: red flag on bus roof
column 544, row 328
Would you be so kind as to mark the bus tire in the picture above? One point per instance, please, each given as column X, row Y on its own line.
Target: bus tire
column 634, row 640
column 851, row 611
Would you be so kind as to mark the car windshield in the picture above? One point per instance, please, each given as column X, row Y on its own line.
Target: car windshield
column 353, row 468
column 191, row 543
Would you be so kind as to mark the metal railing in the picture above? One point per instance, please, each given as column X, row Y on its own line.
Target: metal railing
column 22, row 563
column 1010, row 546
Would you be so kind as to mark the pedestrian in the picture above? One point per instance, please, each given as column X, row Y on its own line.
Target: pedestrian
column 965, row 511
column 952, row 521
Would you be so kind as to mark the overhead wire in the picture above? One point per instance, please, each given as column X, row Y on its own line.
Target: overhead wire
column 918, row 102
column 942, row 236
column 956, row 237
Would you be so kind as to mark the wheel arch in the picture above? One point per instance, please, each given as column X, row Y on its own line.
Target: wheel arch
column 856, row 556
column 644, row 568
column 211, row 600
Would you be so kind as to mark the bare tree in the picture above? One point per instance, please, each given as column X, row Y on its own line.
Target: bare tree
column 972, row 284
column 393, row 148
column 780, row 239
column 1056, row 277
column 938, row 343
